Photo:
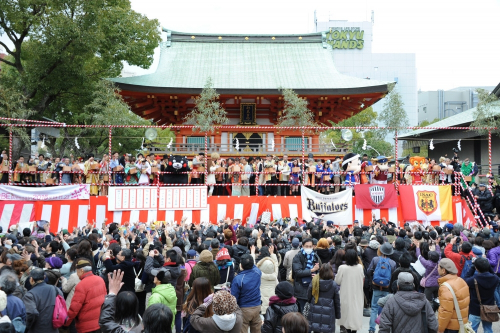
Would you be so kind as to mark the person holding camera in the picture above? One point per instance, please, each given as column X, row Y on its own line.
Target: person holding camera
column 462, row 257
column 123, row 263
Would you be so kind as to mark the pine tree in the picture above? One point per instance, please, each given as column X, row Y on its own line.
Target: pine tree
column 487, row 111
column 295, row 112
column 207, row 112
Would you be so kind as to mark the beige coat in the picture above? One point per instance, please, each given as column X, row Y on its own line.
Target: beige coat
column 268, row 281
column 350, row 279
column 68, row 287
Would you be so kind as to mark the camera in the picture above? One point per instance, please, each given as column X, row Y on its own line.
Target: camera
column 455, row 150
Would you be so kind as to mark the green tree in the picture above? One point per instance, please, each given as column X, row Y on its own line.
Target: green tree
column 487, row 111
column 374, row 138
column 12, row 105
column 295, row 111
column 393, row 113
column 427, row 123
column 207, row 112
column 59, row 51
column 106, row 108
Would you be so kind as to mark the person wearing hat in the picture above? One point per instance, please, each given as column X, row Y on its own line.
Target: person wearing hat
column 484, row 199
column 402, row 312
column 287, row 261
column 54, row 263
column 227, row 316
column 164, row 292
column 447, row 316
column 380, row 268
column 279, row 305
column 88, row 298
column 225, row 266
column 190, row 263
column 206, row 268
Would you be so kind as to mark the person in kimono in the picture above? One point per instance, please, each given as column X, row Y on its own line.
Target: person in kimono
column 131, row 176
column 91, row 176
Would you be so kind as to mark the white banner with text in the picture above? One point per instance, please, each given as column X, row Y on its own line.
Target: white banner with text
column 67, row 192
column 334, row 207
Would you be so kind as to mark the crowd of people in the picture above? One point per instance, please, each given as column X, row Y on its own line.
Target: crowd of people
column 229, row 277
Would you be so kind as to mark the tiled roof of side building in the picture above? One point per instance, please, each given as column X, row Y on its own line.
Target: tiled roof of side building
column 251, row 63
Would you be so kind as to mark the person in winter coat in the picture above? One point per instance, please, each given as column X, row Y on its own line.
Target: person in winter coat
column 225, row 266
column 190, row 263
column 206, row 268
column 268, row 280
column 324, row 298
column 88, row 298
column 431, row 271
column 404, row 266
column 323, row 251
column 305, row 264
column 403, row 312
column 14, row 307
column 227, row 315
column 493, row 256
column 385, row 251
column 157, row 318
column 201, row 289
column 246, row 289
column 447, row 316
column 486, row 282
column 459, row 259
column 288, row 260
column 279, row 305
column 40, row 301
column 399, row 249
column 125, row 264
column 239, row 250
column 350, row 279
column 164, row 292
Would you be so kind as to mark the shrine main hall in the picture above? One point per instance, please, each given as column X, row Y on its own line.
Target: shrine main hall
column 248, row 71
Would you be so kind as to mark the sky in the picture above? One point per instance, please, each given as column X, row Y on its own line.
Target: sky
column 455, row 42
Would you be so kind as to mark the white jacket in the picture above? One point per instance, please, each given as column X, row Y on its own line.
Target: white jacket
column 268, row 281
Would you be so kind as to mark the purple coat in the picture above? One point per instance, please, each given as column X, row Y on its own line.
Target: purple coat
column 430, row 266
column 493, row 256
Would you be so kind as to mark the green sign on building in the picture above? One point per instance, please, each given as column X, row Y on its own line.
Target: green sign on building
column 346, row 38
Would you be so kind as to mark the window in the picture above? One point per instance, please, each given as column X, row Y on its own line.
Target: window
column 416, row 150
column 197, row 141
column 425, row 109
column 294, row 143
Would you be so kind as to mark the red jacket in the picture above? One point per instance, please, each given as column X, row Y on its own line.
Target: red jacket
column 458, row 258
column 86, row 303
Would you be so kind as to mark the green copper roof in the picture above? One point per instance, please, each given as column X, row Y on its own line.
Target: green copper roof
column 251, row 63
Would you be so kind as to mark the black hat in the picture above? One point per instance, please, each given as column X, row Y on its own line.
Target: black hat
column 284, row 290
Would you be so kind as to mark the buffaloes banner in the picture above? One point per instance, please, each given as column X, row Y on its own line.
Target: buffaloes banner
column 426, row 202
column 376, row 196
column 334, row 207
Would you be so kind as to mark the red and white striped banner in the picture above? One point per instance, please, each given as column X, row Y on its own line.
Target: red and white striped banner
column 64, row 214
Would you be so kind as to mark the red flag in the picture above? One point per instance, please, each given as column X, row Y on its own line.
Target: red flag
column 375, row 196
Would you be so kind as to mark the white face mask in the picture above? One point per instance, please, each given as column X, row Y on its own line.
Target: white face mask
column 308, row 251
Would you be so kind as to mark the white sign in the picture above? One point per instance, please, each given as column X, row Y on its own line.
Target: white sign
column 334, row 207
column 183, row 198
column 132, row 198
column 67, row 192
